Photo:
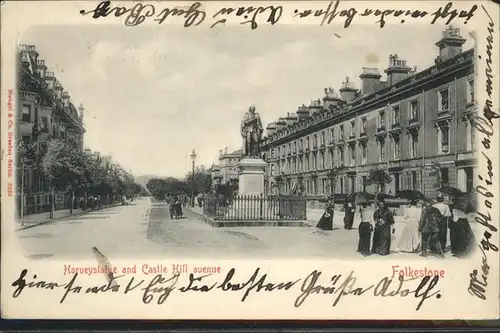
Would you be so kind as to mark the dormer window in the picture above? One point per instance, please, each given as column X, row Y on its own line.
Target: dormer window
column 443, row 100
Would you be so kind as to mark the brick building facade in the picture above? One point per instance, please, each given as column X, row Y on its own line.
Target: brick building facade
column 414, row 125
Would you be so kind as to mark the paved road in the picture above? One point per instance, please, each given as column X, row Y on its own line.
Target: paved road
column 145, row 230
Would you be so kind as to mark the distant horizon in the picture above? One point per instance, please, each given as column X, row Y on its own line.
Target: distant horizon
column 148, row 102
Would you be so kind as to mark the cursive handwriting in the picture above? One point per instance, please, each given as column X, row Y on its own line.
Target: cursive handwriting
column 249, row 14
column 137, row 14
column 161, row 287
column 485, row 126
column 347, row 286
column 194, row 15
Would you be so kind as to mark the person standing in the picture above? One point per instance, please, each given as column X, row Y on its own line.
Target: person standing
column 429, row 228
column 365, row 232
column 326, row 220
column 444, row 209
column 383, row 225
column 410, row 239
column 349, row 214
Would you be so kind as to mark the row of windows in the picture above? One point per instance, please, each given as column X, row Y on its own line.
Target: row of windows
column 394, row 120
column 346, row 156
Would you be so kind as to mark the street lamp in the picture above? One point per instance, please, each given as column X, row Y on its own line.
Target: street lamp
column 193, row 159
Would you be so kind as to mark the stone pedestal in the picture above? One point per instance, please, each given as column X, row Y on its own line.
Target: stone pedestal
column 251, row 176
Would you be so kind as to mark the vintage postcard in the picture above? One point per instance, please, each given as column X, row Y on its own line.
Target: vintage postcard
column 244, row 160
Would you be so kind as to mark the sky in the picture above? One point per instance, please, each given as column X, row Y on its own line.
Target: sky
column 153, row 94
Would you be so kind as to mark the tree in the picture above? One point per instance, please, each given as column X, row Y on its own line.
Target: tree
column 333, row 175
column 63, row 166
column 379, row 177
column 201, row 182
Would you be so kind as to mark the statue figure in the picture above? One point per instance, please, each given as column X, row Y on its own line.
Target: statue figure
column 251, row 131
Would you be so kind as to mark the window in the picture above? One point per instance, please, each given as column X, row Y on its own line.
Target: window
column 381, row 119
column 414, row 180
column 26, row 116
column 352, row 131
column 45, row 125
column 470, row 91
column 413, row 145
column 26, row 139
column 341, row 132
column 321, row 160
column 322, row 142
column 331, row 135
column 396, row 148
column 273, row 171
column 414, row 110
column 443, row 139
column 315, row 140
column 443, row 100
column 364, row 154
column 470, row 134
column 353, row 155
column 307, row 143
column 395, row 115
column 365, row 182
column 340, row 155
column 363, row 125
column 381, row 146
column 444, row 177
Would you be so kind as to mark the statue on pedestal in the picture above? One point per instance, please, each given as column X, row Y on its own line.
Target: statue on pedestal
column 251, row 131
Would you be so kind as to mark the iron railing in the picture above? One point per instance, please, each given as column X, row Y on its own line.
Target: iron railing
column 256, row 208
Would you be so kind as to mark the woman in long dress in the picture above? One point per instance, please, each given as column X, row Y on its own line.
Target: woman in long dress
column 365, row 232
column 461, row 234
column 349, row 214
column 326, row 220
column 383, row 225
column 410, row 238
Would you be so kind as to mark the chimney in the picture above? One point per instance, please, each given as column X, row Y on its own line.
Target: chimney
column 50, row 79
column 303, row 112
column 41, row 68
column 315, row 106
column 65, row 97
column 271, row 128
column 331, row 99
column 291, row 119
column 220, row 152
column 397, row 70
column 58, row 88
column 280, row 124
column 348, row 91
column 370, row 80
column 450, row 44
column 81, row 109
column 225, row 150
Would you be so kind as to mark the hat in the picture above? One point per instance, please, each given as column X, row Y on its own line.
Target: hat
column 439, row 195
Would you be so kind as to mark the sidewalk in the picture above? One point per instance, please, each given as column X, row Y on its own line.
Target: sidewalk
column 34, row 220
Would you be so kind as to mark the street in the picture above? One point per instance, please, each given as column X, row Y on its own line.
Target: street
column 144, row 230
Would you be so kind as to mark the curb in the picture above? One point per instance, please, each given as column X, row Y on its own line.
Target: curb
column 58, row 219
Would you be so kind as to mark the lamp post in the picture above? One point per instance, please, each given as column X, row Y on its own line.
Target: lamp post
column 193, row 159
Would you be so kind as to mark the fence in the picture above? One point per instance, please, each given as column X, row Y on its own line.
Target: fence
column 36, row 203
column 255, row 208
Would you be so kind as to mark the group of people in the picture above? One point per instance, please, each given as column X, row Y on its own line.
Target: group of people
column 428, row 229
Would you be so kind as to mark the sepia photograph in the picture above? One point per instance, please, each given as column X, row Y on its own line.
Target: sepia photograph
column 245, row 161
column 173, row 142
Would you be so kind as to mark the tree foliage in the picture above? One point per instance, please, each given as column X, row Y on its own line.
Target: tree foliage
column 67, row 168
column 200, row 183
column 378, row 176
